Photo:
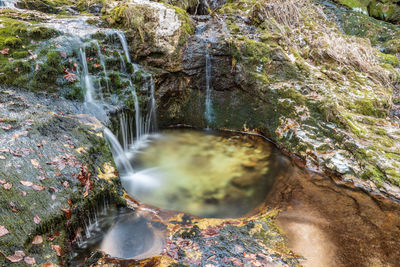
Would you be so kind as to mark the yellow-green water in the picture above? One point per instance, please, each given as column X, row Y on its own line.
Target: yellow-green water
column 207, row 174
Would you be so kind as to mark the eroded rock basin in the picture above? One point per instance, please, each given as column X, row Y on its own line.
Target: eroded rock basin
column 206, row 174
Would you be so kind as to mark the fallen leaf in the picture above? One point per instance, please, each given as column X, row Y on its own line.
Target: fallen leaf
column 36, row 219
column 23, row 193
column 58, row 250
column 2, row 181
column 48, row 264
column 2, row 157
column 34, row 162
column 7, row 186
column 30, row 260
column 68, row 213
column 5, row 51
column 17, row 257
column 38, row 187
column 22, row 133
column 37, row 240
column 26, row 183
column 71, row 77
column 3, row 230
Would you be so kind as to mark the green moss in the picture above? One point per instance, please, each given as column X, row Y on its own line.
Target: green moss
column 373, row 173
column 389, row 59
column 359, row 5
column 369, row 107
column 53, row 59
column 13, row 42
column 47, row 6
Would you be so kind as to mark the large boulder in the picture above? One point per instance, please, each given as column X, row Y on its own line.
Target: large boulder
column 157, row 32
column 55, row 165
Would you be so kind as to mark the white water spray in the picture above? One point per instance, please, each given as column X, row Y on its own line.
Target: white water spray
column 7, row 3
column 209, row 112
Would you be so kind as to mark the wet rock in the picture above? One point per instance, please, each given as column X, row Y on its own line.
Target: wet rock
column 64, row 165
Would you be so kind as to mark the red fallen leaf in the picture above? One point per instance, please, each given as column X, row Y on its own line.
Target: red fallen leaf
column 34, row 162
column 48, row 264
column 55, row 190
column 37, row 240
column 38, row 187
column 22, row 133
column 15, row 154
column 29, row 260
column 41, row 178
column 68, row 213
column 7, row 186
column 70, row 202
column 36, row 219
column 15, row 210
column 6, row 127
column 58, row 250
column 26, row 183
column 3, row 230
column 5, row 51
column 66, row 184
column 23, row 193
column 96, row 65
column 210, row 232
column 17, row 257
column 71, row 77
column 4, row 150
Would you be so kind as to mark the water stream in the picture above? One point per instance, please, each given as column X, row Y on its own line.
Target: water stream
column 8, row 3
column 209, row 112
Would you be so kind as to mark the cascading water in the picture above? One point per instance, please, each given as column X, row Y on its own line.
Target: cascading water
column 8, row 3
column 209, row 112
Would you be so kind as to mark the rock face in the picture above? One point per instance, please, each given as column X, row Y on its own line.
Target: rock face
column 380, row 9
column 54, row 164
column 326, row 97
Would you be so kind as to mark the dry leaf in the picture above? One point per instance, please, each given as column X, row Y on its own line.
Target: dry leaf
column 48, row 264
column 68, row 213
column 30, row 260
column 34, row 162
column 17, row 257
column 38, row 187
column 58, row 250
column 37, row 240
column 26, row 183
column 3, row 230
column 7, row 186
column 36, row 219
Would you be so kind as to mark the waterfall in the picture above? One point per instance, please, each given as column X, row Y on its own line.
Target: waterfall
column 124, row 43
column 103, row 65
column 209, row 112
column 133, row 129
column 8, row 3
column 123, row 164
column 88, row 84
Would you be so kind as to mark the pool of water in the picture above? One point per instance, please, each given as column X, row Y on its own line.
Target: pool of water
column 205, row 173
column 120, row 233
